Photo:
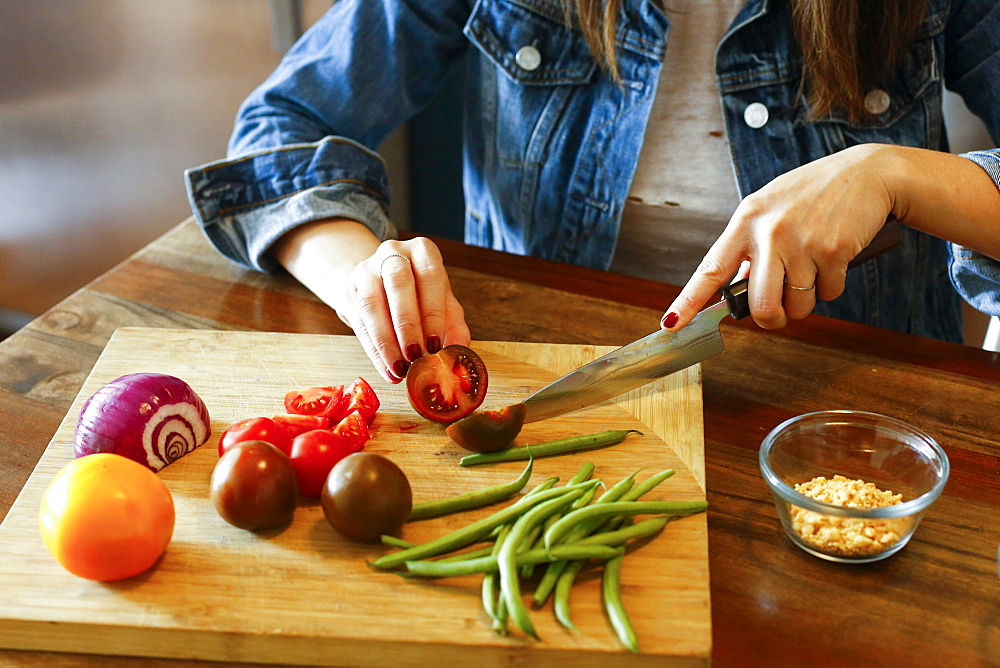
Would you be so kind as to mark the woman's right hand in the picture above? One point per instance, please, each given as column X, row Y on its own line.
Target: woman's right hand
column 395, row 295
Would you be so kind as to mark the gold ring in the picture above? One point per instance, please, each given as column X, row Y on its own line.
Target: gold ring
column 404, row 258
column 795, row 287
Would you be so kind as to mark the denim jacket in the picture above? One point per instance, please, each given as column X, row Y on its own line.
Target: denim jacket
column 551, row 142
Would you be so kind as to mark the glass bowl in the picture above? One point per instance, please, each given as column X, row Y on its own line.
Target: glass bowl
column 894, row 457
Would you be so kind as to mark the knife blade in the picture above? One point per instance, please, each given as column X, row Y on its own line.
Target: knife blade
column 662, row 353
column 653, row 356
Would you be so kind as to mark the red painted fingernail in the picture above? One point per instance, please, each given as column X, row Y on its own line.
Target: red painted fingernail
column 399, row 369
column 433, row 344
column 413, row 351
column 669, row 320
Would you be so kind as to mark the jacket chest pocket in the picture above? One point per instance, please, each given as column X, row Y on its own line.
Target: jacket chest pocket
column 906, row 111
column 532, row 62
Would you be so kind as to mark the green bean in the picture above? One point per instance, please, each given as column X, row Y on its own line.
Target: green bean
column 470, row 554
column 526, row 544
column 392, row 541
column 560, row 596
column 625, row 534
column 510, row 586
column 583, row 475
column 548, row 580
column 492, row 602
column 619, row 508
column 647, row 485
column 548, row 483
column 500, row 621
column 611, row 593
column 470, row 533
column 637, row 493
column 497, row 610
column 474, row 499
column 535, row 539
column 549, row 448
column 439, row 568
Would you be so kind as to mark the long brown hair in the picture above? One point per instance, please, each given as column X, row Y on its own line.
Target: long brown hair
column 848, row 46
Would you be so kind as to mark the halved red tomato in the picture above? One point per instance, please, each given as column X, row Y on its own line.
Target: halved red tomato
column 293, row 425
column 363, row 399
column 447, row 385
column 354, row 430
column 487, row 431
column 331, row 402
column 255, row 429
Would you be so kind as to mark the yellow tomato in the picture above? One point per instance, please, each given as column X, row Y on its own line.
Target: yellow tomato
column 105, row 517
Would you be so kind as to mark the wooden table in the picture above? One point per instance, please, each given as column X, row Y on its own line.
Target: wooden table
column 936, row 603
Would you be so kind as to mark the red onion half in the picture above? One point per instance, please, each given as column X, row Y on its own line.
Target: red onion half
column 152, row 418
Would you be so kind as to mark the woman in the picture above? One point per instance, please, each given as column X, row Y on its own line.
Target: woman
column 776, row 134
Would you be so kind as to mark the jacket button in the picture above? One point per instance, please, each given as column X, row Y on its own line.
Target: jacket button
column 528, row 58
column 755, row 115
column 877, row 102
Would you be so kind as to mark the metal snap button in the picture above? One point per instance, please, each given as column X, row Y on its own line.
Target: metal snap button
column 755, row 115
column 528, row 58
column 877, row 102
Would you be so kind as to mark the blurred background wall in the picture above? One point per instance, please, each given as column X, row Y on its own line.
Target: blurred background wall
column 104, row 103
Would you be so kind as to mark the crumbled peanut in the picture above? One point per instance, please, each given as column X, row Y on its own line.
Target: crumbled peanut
column 842, row 536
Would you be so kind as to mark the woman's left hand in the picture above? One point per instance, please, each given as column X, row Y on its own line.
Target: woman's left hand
column 795, row 236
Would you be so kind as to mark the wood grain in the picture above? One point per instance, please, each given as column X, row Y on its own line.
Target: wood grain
column 303, row 595
column 934, row 604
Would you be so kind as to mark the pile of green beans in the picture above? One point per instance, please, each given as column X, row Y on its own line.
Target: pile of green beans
column 563, row 527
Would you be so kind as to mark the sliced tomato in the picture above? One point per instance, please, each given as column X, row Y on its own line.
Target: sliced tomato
column 293, row 425
column 255, row 429
column 447, row 385
column 363, row 399
column 314, row 453
column 330, row 401
column 354, row 430
column 487, row 431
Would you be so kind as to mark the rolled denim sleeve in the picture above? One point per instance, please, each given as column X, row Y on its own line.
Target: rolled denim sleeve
column 245, row 204
column 974, row 275
column 302, row 148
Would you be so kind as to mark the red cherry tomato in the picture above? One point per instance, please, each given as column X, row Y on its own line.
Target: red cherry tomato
column 314, row 453
column 354, row 430
column 255, row 429
column 447, row 385
column 331, row 402
column 487, row 431
column 299, row 424
column 363, row 399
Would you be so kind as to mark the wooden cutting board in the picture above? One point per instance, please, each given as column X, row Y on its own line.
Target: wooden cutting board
column 304, row 595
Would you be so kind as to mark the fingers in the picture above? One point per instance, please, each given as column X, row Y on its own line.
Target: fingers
column 798, row 299
column 776, row 293
column 400, row 339
column 433, row 291
column 372, row 318
column 720, row 263
column 456, row 331
column 404, row 307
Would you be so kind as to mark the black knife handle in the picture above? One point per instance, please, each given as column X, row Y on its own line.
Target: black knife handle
column 888, row 237
column 737, row 296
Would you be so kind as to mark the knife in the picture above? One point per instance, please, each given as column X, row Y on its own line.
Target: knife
column 662, row 353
